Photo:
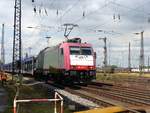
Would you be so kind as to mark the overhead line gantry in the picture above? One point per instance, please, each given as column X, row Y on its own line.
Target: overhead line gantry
column 16, row 65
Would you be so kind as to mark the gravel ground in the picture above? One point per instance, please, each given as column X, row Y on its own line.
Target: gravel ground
column 69, row 96
column 75, row 102
column 73, row 97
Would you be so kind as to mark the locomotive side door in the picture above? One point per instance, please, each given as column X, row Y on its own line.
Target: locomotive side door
column 61, row 58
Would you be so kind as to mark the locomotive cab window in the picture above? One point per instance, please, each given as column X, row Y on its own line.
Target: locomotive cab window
column 86, row 51
column 80, row 51
column 74, row 50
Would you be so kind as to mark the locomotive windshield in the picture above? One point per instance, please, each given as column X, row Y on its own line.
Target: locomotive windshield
column 74, row 50
column 86, row 51
column 80, row 51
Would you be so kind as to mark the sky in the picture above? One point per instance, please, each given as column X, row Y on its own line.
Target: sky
column 118, row 20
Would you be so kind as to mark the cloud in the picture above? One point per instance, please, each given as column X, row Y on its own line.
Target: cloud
column 98, row 16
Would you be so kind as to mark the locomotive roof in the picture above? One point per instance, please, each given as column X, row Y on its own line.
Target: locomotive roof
column 76, row 44
column 69, row 42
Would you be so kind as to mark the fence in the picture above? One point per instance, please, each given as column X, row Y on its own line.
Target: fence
column 55, row 100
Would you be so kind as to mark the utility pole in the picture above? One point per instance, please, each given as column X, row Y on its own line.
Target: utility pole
column 141, row 64
column 129, row 58
column 148, row 63
column 105, row 53
column 141, row 54
column 2, row 48
column 109, row 54
column 16, row 66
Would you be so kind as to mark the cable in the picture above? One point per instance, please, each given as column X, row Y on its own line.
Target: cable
column 80, row 19
column 68, row 10
column 121, row 15
column 51, row 3
column 131, row 9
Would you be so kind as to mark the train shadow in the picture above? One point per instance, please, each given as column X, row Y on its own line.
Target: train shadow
column 77, row 86
column 74, row 86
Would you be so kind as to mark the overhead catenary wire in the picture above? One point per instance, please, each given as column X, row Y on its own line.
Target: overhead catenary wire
column 101, row 24
column 41, row 19
column 35, row 16
column 130, row 9
column 75, row 5
column 105, row 5
column 40, row 8
column 52, row 2
column 90, row 13
column 68, row 10
column 119, row 16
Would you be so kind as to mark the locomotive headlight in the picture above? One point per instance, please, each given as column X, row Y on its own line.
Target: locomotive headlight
column 66, row 73
column 91, row 67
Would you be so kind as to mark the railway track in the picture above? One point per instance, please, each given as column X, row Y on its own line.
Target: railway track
column 90, row 97
column 128, row 96
column 108, row 95
column 130, row 99
column 124, row 90
column 98, row 99
column 131, row 87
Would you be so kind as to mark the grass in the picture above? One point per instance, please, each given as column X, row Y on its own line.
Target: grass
column 11, row 94
column 118, row 76
column 33, row 92
column 30, row 92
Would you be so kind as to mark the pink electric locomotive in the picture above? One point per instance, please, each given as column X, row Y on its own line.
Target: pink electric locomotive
column 69, row 62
